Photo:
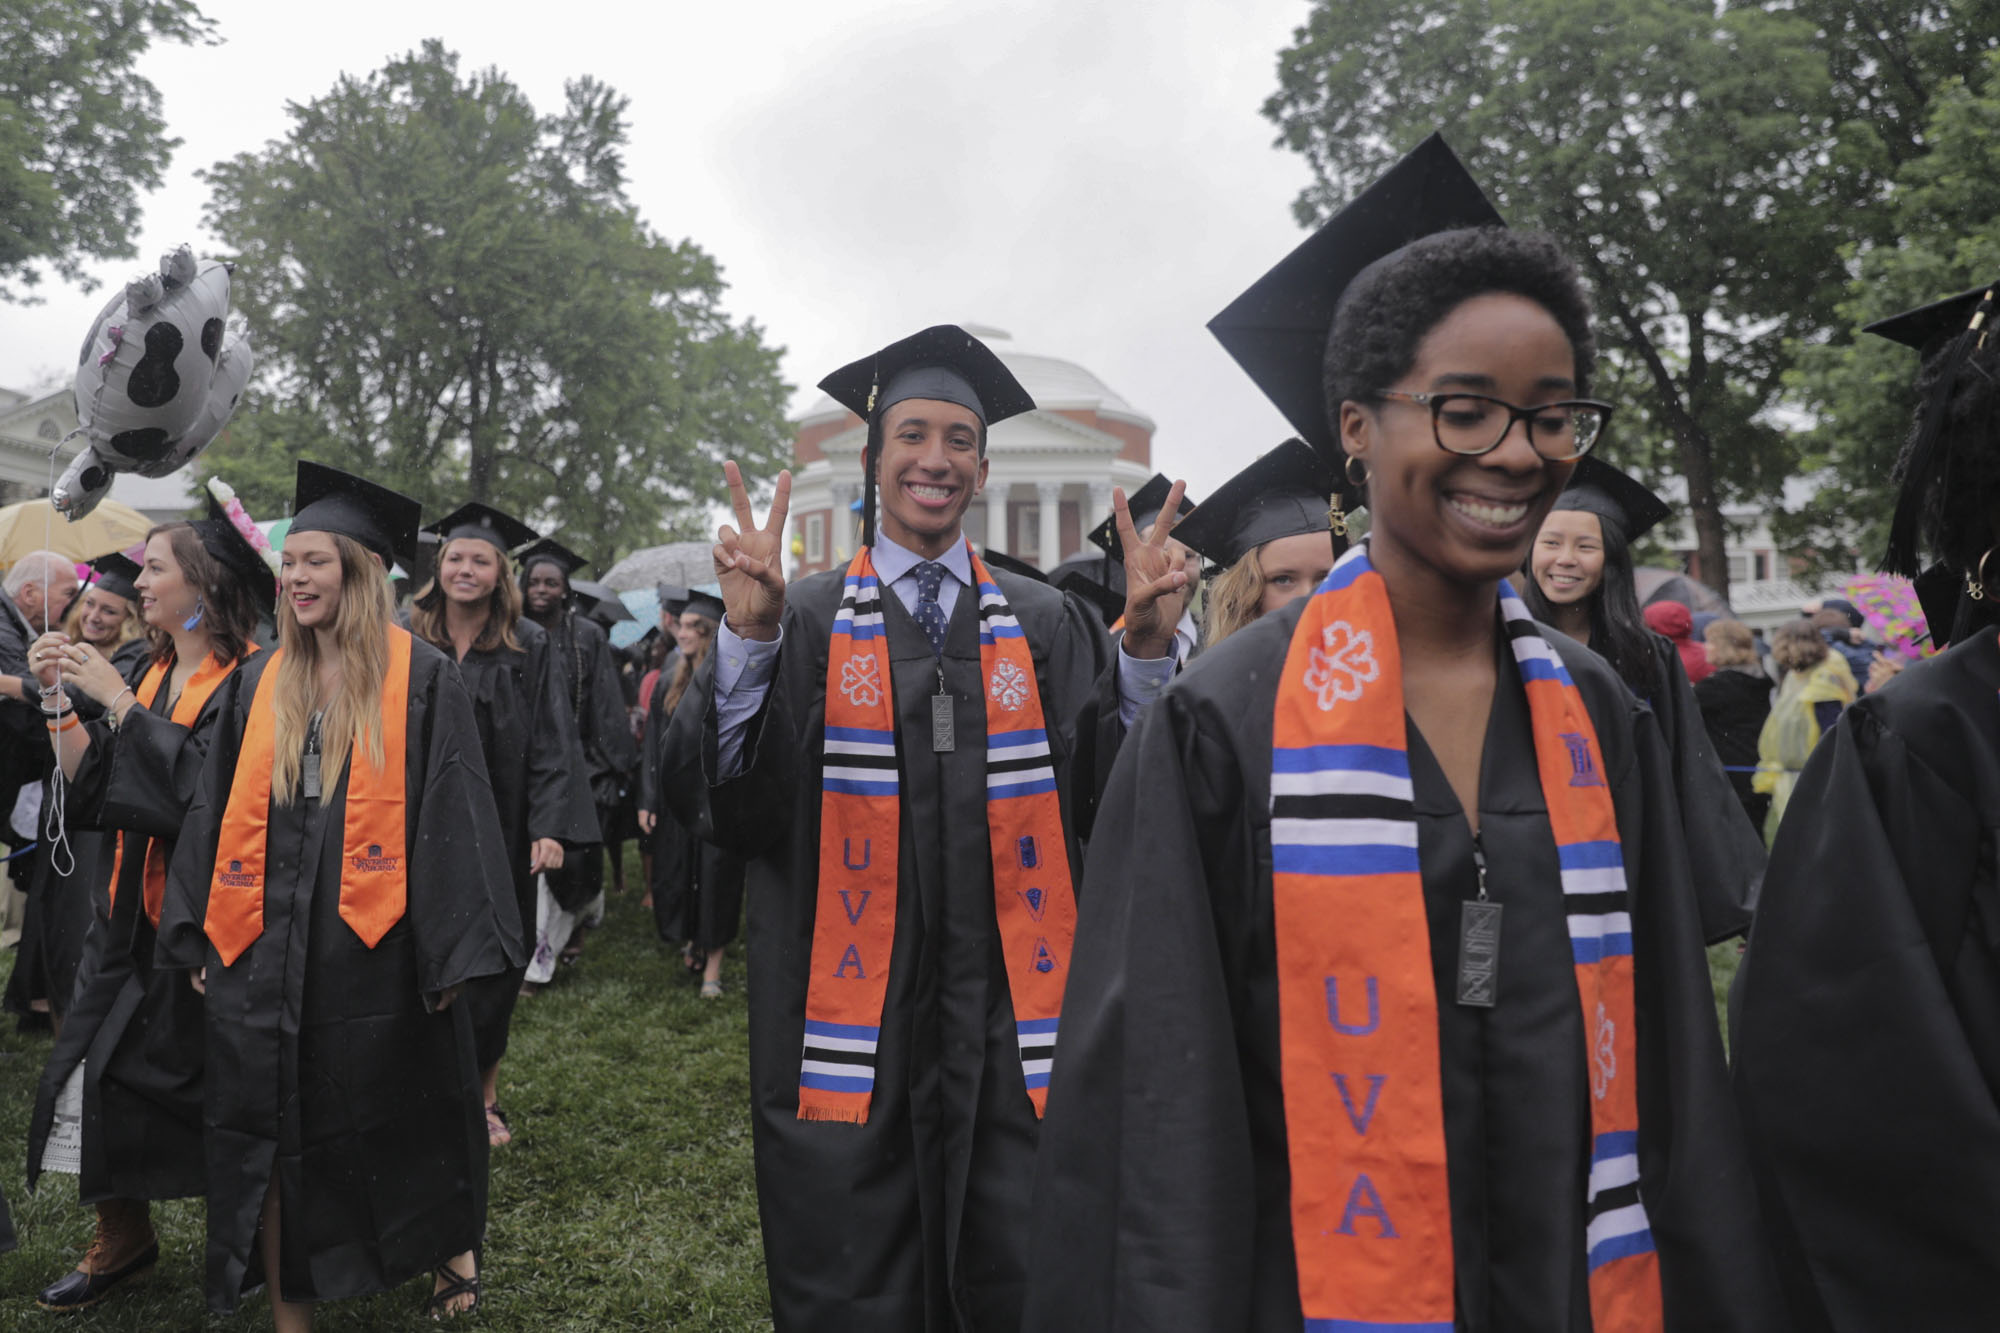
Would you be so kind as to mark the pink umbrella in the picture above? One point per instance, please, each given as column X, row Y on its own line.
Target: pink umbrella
column 1889, row 605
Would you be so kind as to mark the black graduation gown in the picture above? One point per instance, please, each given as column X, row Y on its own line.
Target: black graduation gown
column 697, row 887
column 1867, row 1043
column 587, row 678
column 668, row 832
column 917, row 1220
column 1734, row 704
column 326, row 1058
column 1725, row 851
column 529, row 749
column 1162, row 1197
column 139, row 1031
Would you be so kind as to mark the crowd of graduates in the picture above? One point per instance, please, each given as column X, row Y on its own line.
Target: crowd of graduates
column 1258, row 926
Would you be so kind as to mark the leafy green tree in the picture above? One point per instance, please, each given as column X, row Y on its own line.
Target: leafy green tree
column 1945, row 210
column 1702, row 162
column 453, row 294
column 80, row 130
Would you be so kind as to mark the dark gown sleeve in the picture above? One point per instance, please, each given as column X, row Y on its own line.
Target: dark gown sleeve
column 182, row 942
column 142, row 777
column 1869, row 1097
column 1143, row 1179
column 559, row 800
column 1725, row 852
column 610, row 732
column 461, row 903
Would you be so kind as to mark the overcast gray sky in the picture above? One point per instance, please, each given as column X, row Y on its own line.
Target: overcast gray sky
column 1091, row 175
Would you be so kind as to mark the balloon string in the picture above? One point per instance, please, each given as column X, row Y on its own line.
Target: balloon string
column 55, row 823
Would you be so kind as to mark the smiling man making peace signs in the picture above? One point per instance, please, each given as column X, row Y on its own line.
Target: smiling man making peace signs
column 889, row 745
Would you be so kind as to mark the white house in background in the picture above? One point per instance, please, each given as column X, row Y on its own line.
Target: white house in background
column 32, row 424
column 1050, row 477
column 1762, row 591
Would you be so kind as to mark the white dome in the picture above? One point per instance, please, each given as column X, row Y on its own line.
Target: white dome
column 1051, row 381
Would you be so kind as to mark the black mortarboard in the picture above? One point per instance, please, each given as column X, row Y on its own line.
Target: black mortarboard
column 1145, row 505
column 1951, row 329
column 942, row 362
column 1109, row 604
column 1277, row 329
column 705, row 604
column 1001, row 560
column 673, row 597
column 232, row 550
column 1601, row 489
column 548, row 548
column 483, row 521
column 1282, row 494
column 600, row 603
column 325, row 499
column 114, row 573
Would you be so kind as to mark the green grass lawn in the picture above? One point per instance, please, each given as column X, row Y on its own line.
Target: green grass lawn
column 626, row 1200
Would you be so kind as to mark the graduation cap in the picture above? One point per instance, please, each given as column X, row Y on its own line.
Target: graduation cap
column 488, row 524
column 221, row 538
column 114, row 573
column 705, row 604
column 600, row 603
column 1598, row 488
column 1277, row 329
column 1282, row 494
column 548, row 548
column 942, row 362
column 1145, row 505
column 1001, row 560
column 1109, row 604
column 325, row 499
column 673, row 597
column 1946, row 331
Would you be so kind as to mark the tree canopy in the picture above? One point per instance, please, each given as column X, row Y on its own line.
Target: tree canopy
column 453, row 294
column 1711, row 167
column 81, row 134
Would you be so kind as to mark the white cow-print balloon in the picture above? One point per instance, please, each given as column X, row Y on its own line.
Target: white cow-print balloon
column 157, row 378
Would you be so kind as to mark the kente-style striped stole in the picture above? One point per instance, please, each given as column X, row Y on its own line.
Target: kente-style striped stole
column 854, row 926
column 374, row 849
column 203, row 683
column 1364, row 1113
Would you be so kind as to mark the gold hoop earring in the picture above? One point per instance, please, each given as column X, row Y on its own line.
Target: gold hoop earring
column 1975, row 583
column 1352, row 480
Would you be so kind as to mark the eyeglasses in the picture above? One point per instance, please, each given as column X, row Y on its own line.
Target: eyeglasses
column 1473, row 424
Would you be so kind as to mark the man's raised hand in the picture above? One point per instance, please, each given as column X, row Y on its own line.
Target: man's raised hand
column 1156, row 587
column 749, row 560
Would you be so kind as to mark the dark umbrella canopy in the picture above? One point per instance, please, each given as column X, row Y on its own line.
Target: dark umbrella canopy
column 1670, row 585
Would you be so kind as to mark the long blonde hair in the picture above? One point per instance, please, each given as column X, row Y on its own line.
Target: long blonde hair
column 684, row 670
column 130, row 626
column 354, row 715
column 503, row 610
column 1235, row 599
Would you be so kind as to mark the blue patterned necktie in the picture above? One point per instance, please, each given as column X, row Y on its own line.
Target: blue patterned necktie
column 930, row 578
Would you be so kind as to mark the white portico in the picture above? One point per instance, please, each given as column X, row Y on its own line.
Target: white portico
column 1050, row 476
column 31, row 424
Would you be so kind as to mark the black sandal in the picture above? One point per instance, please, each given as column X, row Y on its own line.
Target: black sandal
column 436, row 1306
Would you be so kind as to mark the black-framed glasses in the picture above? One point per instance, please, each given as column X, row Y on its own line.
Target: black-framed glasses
column 1473, row 423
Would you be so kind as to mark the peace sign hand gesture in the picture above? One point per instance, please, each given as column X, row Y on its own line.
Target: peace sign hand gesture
column 1156, row 586
column 749, row 560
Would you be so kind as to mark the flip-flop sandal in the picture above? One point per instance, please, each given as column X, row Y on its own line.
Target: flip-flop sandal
column 438, row 1305
column 711, row 990
column 498, row 1132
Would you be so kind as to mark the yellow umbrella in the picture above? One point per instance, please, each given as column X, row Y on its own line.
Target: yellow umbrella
column 34, row 525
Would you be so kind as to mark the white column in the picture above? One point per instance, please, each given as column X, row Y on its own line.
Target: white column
column 1100, row 504
column 996, row 515
column 1048, row 495
column 841, row 531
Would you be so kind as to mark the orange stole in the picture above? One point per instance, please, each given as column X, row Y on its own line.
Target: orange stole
column 374, row 870
column 203, row 683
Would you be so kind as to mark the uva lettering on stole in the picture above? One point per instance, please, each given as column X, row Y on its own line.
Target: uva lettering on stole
column 1363, row 1200
column 847, row 853
column 852, row 958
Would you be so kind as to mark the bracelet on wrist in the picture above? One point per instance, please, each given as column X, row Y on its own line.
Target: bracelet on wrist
column 69, row 720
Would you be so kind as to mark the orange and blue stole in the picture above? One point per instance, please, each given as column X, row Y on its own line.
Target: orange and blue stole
column 854, row 924
column 1364, row 1111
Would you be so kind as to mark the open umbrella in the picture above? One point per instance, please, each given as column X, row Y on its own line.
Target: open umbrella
column 34, row 525
column 1889, row 604
column 1670, row 585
